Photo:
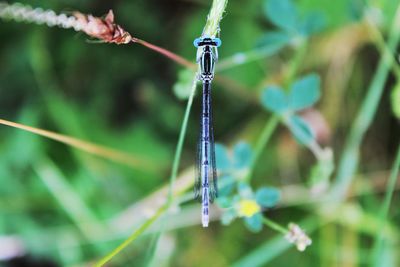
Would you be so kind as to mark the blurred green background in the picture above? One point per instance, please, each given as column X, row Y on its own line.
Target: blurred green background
column 63, row 207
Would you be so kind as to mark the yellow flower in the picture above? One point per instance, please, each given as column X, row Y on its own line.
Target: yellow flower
column 247, row 208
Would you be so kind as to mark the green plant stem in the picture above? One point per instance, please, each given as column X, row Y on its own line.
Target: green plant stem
column 350, row 157
column 132, row 237
column 214, row 17
column 273, row 225
column 296, row 63
column 383, row 48
column 179, row 146
column 274, row 246
column 390, row 187
column 262, row 141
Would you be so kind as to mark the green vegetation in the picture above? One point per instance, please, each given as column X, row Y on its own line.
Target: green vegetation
column 97, row 169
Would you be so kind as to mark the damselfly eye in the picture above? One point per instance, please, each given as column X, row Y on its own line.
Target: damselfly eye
column 217, row 42
column 196, row 42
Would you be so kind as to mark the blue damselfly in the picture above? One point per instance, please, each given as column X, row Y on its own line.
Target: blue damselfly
column 205, row 188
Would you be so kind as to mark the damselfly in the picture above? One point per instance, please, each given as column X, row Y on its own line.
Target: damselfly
column 205, row 188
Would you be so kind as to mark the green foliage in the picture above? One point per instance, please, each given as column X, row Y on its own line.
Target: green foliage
column 275, row 100
column 242, row 156
column 300, row 130
column 267, row 196
column 234, row 190
column 273, row 41
column 183, row 87
column 395, row 97
column 222, row 158
column 236, row 162
column 74, row 208
column 285, row 15
column 304, row 92
column 282, row 13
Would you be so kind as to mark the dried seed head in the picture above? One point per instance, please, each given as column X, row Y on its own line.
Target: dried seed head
column 104, row 29
column 298, row 237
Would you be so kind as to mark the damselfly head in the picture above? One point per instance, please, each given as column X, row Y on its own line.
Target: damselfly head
column 202, row 41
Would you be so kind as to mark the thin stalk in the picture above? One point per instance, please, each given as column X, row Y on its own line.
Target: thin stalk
column 214, row 18
column 174, row 57
column 100, row 151
column 273, row 225
column 295, row 63
column 179, row 146
column 350, row 157
column 382, row 46
column 132, row 237
column 383, row 214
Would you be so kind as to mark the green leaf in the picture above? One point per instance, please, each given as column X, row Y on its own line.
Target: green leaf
column 243, row 155
column 312, row 23
column 274, row 99
column 356, row 10
column 300, row 130
column 222, row 159
column 183, row 87
column 254, row 223
column 267, row 196
column 272, row 42
column 282, row 13
column 304, row 92
column 228, row 216
column 395, row 97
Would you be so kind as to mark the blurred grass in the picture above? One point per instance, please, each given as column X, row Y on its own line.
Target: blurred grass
column 121, row 97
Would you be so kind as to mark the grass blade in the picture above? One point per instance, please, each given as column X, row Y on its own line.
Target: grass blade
column 380, row 242
column 101, row 151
